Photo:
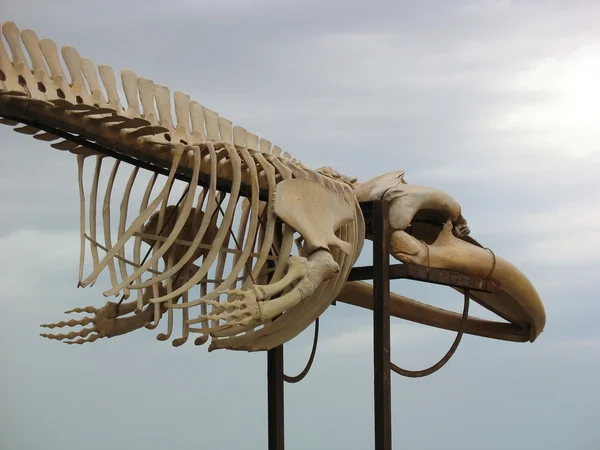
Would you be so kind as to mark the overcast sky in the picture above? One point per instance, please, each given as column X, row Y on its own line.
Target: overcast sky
column 495, row 102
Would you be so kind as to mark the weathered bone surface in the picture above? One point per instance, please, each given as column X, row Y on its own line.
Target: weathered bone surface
column 246, row 243
column 428, row 229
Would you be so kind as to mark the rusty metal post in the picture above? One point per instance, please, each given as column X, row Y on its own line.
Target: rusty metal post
column 381, row 328
column 275, row 395
column 275, row 383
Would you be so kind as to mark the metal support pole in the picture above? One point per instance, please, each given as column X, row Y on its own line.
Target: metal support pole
column 275, row 398
column 275, row 382
column 381, row 328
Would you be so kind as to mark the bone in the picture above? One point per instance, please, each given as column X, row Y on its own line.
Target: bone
column 198, row 212
column 167, row 335
column 184, row 326
column 205, row 221
column 140, row 219
column 64, row 145
column 285, row 251
column 80, row 167
column 251, row 141
column 110, row 84
column 93, row 203
column 46, row 137
column 225, row 129
column 309, row 308
column 223, row 255
column 69, row 323
column 182, row 218
column 319, row 267
column 83, row 151
column 11, row 81
column 252, row 243
column 264, row 146
column 244, row 216
column 73, row 63
column 12, row 35
column 118, row 257
column 197, row 118
column 123, row 222
column 333, row 212
column 182, row 112
column 203, row 310
column 146, row 90
column 138, row 240
column 200, row 235
column 220, row 237
column 300, row 270
column 163, row 102
column 297, row 171
column 10, row 123
column 32, row 44
column 517, row 301
column 50, row 52
column 89, row 72
column 253, row 228
column 283, row 170
column 268, row 231
column 281, row 265
column 106, row 221
column 130, row 86
column 407, row 199
column 211, row 119
column 239, row 136
column 21, row 67
column 159, row 229
column 29, row 130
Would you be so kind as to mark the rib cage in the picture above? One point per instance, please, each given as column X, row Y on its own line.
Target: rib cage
column 191, row 245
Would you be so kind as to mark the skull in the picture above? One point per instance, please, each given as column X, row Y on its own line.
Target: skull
column 427, row 228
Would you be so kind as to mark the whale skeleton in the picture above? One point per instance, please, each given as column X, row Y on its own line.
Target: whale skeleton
column 256, row 246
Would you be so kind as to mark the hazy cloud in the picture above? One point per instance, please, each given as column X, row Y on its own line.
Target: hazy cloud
column 496, row 102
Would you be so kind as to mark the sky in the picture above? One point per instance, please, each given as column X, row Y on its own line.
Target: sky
column 494, row 102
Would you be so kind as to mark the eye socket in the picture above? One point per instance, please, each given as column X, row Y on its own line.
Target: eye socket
column 427, row 224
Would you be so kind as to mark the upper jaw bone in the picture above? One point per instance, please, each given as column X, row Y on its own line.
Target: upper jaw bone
column 406, row 200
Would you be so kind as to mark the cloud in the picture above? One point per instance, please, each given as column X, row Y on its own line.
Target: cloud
column 359, row 341
column 493, row 101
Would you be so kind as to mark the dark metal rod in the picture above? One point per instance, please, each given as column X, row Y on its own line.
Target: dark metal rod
column 311, row 359
column 442, row 362
column 275, row 398
column 381, row 328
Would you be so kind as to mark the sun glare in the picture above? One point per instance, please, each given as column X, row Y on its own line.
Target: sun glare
column 566, row 119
